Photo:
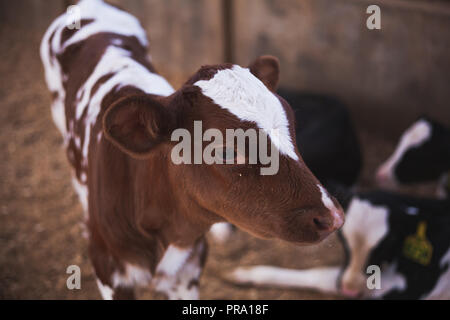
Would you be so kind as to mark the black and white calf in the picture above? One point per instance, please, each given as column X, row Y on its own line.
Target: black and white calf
column 422, row 154
column 324, row 133
column 408, row 238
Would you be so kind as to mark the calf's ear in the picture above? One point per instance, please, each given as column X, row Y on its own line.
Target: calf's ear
column 266, row 69
column 136, row 124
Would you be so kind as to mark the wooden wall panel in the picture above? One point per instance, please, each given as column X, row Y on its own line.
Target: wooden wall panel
column 387, row 76
column 184, row 34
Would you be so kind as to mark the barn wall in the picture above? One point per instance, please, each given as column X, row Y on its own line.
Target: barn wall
column 184, row 34
column 387, row 76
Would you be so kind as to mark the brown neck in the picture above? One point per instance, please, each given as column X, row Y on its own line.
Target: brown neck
column 164, row 203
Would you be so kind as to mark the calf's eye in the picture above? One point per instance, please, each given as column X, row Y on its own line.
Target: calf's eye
column 226, row 155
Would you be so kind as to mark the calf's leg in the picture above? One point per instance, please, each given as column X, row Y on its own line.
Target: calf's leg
column 183, row 284
column 322, row 279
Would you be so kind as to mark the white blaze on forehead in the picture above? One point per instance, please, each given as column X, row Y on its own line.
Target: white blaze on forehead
column 244, row 95
column 416, row 135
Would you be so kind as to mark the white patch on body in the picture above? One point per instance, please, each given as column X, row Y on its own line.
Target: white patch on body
column 59, row 115
column 82, row 192
column 390, row 280
column 177, row 286
column 105, row 291
column 365, row 226
column 416, row 135
column 365, row 219
column 221, row 231
column 174, row 258
column 133, row 276
column 53, row 77
column 176, row 270
column 323, row 279
column 106, row 19
column 442, row 289
column 131, row 73
column 245, row 96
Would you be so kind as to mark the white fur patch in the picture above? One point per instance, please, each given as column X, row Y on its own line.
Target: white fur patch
column 115, row 60
column 133, row 276
column 173, row 260
column 106, row 19
column 54, row 77
column 323, row 279
column 365, row 219
column 365, row 226
column 176, row 271
column 177, row 286
column 82, row 192
column 129, row 72
column 59, row 115
column 221, row 231
column 105, row 291
column 390, row 280
column 416, row 135
column 244, row 95
column 327, row 202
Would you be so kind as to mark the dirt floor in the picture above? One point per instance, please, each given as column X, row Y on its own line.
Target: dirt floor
column 40, row 229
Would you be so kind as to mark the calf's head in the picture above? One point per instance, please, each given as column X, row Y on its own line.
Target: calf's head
column 421, row 155
column 278, row 198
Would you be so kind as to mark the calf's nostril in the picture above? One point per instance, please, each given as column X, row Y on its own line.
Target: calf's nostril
column 322, row 223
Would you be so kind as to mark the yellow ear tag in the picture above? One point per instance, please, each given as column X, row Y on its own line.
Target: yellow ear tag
column 417, row 247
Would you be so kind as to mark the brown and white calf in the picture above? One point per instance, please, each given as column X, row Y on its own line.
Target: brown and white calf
column 146, row 215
